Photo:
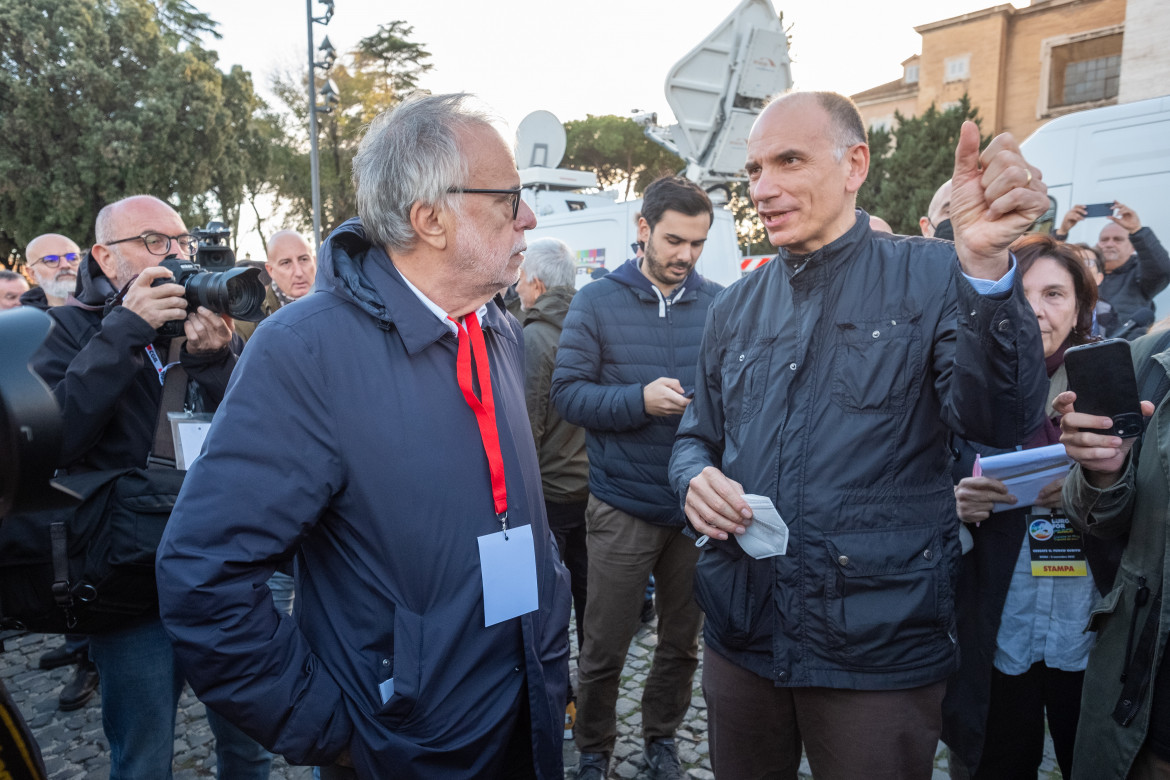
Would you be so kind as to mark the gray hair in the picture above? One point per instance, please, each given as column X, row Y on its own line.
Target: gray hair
column 551, row 261
column 410, row 154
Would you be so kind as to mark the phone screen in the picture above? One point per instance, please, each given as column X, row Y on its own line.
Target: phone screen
column 1099, row 210
column 1102, row 376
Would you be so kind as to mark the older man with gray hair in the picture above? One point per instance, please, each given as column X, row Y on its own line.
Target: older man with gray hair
column 546, row 289
column 429, row 639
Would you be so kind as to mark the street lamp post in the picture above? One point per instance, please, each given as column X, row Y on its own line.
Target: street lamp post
column 314, row 164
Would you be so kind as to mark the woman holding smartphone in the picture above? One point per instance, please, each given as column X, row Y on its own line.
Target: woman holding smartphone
column 1022, row 644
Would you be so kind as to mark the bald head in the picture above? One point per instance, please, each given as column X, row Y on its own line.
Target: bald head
column 53, row 260
column 291, row 263
column 879, row 225
column 127, row 218
column 939, row 210
column 1115, row 246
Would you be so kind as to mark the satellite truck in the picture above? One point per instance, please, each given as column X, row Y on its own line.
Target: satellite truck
column 716, row 91
column 1120, row 153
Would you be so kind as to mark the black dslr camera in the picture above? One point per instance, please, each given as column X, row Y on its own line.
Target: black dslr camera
column 238, row 292
column 212, row 280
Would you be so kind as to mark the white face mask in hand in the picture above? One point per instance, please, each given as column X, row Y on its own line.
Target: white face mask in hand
column 767, row 534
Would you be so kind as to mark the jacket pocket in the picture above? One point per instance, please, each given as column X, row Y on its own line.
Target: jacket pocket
column 875, row 364
column 1104, row 607
column 404, row 666
column 744, row 375
column 883, row 597
column 734, row 591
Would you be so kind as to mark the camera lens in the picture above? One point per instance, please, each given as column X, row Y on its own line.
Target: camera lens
column 237, row 292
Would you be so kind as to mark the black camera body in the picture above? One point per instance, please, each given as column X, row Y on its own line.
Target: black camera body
column 237, row 292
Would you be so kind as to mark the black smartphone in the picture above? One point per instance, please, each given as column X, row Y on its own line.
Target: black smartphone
column 689, row 393
column 1099, row 210
column 1101, row 374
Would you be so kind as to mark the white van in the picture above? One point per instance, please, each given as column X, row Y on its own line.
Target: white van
column 602, row 235
column 1105, row 154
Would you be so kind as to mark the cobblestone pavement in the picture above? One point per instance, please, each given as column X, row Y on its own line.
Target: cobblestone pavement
column 74, row 746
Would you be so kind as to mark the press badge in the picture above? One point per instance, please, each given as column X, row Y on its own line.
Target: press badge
column 188, row 430
column 507, row 561
column 1056, row 547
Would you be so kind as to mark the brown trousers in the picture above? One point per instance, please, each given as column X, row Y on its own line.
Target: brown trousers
column 623, row 552
column 757, row 730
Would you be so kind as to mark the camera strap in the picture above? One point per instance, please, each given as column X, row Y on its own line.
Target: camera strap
column 173, row 394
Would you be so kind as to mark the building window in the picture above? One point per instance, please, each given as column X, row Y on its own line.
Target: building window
column 911, row 74
column 1082, row 70
column 1092, row 79
column 957, row 68
column 882, row 123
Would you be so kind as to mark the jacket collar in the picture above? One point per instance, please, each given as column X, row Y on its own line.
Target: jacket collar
column 360, row 272
column 630, row 274
column 93, row 288
column 837, row 250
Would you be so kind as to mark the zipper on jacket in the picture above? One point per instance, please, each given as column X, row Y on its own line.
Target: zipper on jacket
column 1139, row 600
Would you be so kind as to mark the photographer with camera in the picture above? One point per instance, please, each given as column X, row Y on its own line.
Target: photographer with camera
column 106, row 362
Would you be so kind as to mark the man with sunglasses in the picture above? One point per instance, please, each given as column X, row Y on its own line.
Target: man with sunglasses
column 52, row 260
column 106, row 364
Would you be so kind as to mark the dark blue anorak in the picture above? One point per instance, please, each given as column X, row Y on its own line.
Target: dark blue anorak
column 619, row 336
column 344, row 439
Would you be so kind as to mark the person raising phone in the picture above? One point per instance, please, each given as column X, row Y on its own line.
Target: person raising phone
column 1021, row 647
column 1120, row 489
column 1137, row 266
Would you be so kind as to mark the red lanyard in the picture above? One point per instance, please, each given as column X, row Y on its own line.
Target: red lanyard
column 471, row 340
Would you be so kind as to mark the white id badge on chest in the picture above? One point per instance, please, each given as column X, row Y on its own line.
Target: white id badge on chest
column 507, row 560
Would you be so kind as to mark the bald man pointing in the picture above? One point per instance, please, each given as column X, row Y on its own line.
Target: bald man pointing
column 832, row 379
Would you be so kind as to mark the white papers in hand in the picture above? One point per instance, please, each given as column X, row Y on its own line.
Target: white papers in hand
column 1026, row 472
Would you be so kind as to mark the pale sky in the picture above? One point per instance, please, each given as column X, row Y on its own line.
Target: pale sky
column 573, row 59
column 595, row 57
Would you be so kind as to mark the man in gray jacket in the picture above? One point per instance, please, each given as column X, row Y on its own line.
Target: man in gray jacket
column 545, row 290
column 830, row 380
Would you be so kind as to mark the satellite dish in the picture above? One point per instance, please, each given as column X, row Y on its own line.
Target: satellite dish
column 540, row 141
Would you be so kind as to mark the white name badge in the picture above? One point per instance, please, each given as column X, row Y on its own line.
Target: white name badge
column 507, row 561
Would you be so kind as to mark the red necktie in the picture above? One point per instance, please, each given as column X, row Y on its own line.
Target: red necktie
column 471, row 341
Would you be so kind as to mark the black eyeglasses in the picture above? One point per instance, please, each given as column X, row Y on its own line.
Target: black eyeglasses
column 515, row 193
column 54, row 260
column 159, row 244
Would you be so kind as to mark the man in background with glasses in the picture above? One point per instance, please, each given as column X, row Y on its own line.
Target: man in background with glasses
column 106, row 364
column 52, row 260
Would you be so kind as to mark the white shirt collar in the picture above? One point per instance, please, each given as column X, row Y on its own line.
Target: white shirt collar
column 438, row 310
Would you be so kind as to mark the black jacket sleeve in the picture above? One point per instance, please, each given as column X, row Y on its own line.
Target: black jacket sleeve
column 89, row 376
column 1153, row 262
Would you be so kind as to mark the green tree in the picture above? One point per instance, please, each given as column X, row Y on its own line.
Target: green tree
column 100, row 99
column 616, row 149
column 910, row 162
column 394, row 60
